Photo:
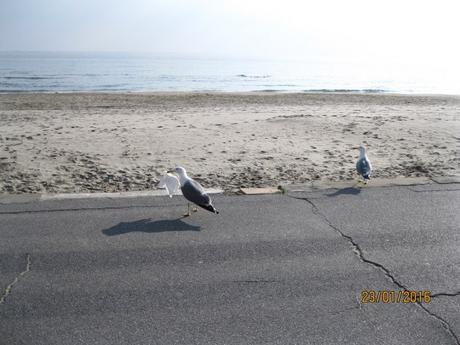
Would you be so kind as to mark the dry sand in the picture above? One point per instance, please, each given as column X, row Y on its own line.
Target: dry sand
column 118, row 142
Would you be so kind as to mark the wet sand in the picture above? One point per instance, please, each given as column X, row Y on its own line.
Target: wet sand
column 97, row 142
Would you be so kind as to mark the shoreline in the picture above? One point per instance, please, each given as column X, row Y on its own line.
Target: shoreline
column 113, row 142
column 223, row 92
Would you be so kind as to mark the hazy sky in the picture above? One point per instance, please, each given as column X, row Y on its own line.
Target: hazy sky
column 421, row 31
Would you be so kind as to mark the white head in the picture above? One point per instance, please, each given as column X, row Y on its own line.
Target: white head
column 179, row 171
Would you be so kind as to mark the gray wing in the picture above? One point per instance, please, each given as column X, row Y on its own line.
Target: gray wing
column 363, row 167
column 193, row 192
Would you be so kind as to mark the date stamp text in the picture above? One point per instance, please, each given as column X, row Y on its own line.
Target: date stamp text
column 395, row 296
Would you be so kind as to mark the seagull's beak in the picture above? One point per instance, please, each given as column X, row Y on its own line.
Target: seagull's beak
column 170, row 171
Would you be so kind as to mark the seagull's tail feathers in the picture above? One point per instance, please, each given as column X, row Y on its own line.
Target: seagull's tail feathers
column 210, row 208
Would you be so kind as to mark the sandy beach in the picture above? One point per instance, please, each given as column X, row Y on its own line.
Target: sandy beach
column 97, row 142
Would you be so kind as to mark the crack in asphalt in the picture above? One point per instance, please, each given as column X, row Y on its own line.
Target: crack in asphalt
column 445, row 294
column 433, row 190
column 358, row 251
column 15, row 280
column 344, row 310
column 355, row 246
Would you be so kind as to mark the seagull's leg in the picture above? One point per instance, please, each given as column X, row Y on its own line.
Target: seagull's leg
column 188, row 214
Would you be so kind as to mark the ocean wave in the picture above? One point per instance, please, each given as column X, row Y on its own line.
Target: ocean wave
column 270, row 90
column 347, row 90
column 27, row 78
column 269, row 86
column 29, row 91
column 253, row 76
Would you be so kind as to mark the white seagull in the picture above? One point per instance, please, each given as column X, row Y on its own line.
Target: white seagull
column 363, row 165
column 193, row 191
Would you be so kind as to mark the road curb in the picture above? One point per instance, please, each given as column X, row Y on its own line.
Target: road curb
column 375, row 182
column 25, row 198
column 288, row 188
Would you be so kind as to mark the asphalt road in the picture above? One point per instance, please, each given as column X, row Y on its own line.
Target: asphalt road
column 271, row 269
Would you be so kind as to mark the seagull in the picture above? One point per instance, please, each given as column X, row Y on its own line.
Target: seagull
column 363, row 165
column 193, row 191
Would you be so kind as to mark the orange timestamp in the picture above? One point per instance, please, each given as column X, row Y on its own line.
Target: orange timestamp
column 392, row 296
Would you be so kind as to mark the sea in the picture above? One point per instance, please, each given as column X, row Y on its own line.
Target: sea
column 145, row 72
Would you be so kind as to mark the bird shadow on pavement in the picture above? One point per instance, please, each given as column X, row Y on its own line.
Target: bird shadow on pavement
column 149, row 226
column 346, row 191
